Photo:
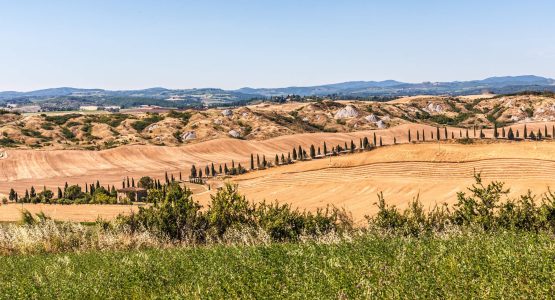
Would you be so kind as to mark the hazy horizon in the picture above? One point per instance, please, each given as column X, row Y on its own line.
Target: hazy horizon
column 184, row 44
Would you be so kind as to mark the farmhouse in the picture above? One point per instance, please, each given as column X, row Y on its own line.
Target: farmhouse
column 131, row 194
column 113, row 108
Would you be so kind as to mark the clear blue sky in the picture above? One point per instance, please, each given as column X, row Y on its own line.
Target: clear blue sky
column 230, row 44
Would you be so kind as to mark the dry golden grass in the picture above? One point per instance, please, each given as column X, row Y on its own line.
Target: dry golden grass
column 75, row 213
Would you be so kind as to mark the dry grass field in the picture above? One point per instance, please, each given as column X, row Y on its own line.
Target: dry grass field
column 75, row 213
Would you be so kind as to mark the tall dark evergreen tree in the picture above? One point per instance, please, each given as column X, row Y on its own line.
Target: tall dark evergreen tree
column 283, row 159
column 207, row 170
column 395, row 140
column 60, row 194
column 375, row 142
column 300, row 153
column 352, row 146
column 123, row 184
column 193, row 174
column 325, row 149
column 495, row 133
column 437, row 133
column 319, row 153
column 33, row 193
column 409, row 137
column 213, row 170
column 525, row 132
column 503, row 135
column 482, row 134
column 294, row 154
column 360, row 144
column 276, row 161
column 460, row 133
column 252, row 161
column 445, row 131
column 467, row 133
column 258, row 161
column 128, row 185
column 381, row 144
column 517, row 134
column 264, row 162
column 133, row 182
column 86, row 188
column 423, row 136
column 417, row 136
column 365, row 143
column 220, row 171
column 312, row 151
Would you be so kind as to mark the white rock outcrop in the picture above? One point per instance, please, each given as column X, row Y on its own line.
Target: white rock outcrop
column 189, row 135
column 381, row 124
column 234, row 133
column 152, row 127
column 371, row 118
column 348, row 111
column 227, row 113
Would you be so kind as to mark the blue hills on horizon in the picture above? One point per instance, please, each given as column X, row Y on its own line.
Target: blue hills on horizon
column 498, row 85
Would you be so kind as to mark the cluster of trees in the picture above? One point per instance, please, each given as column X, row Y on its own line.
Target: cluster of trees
column 211, row 171
column 70, row 194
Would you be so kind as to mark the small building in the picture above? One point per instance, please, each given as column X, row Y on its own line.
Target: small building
column 113, row 108
column 133, row 194
column 11, row 105
column 88, row 107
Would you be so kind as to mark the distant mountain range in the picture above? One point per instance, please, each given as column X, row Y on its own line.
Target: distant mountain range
column 214, row 96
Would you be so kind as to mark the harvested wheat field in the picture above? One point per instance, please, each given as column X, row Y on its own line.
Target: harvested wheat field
column 435, row 171
column 75, row 213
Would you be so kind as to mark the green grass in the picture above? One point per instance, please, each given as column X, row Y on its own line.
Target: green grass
column 458, row 266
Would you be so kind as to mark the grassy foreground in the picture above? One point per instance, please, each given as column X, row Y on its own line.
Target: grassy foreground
column 486, row 265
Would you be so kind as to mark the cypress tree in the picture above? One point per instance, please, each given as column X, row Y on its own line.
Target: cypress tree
column 417, row 136
column 193, row 174
column 220, row 169
column 312, row 151
column 123, row 183
column 532, row 135
column 232, row 164
column 181, row 178
column 445, row 130
column 539, row 135
column 277, row 160
column 113, row 191
column 375, row 144
column 545, row 131
column 381, row 141
column 26, row 195
column 395, row 140
column 517, row 134
column 467, row 133
column 525, row 132
column 252, row 161
column 409, row 137
column 289, row 158
column 258, row 161
column 86, row 188
column 432, row 133
column 503, row 132
column 300, row 153
column 199, row 173
column 452, row 135
column 437, row 133
column 423, row 136
column 481, row 134
column 264, row 163
column 319, row 153
column 213, row 170
column 294, row 154
column 226, row 170
column 365, row 143
column 283, row 159
column 495, row 133
column 97, row 184
column 207, row 171
column 474, row 127
column 360, row 142
column 60, row 195
column 133, row 181
column 352, row 146
column 325, row 149
column 128, row 185
column 460, row 133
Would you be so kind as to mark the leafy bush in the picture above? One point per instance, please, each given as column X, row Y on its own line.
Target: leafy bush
column 140, row 125
column 61, row 119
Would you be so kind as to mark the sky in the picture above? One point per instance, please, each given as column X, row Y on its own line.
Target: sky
column 232, row 44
